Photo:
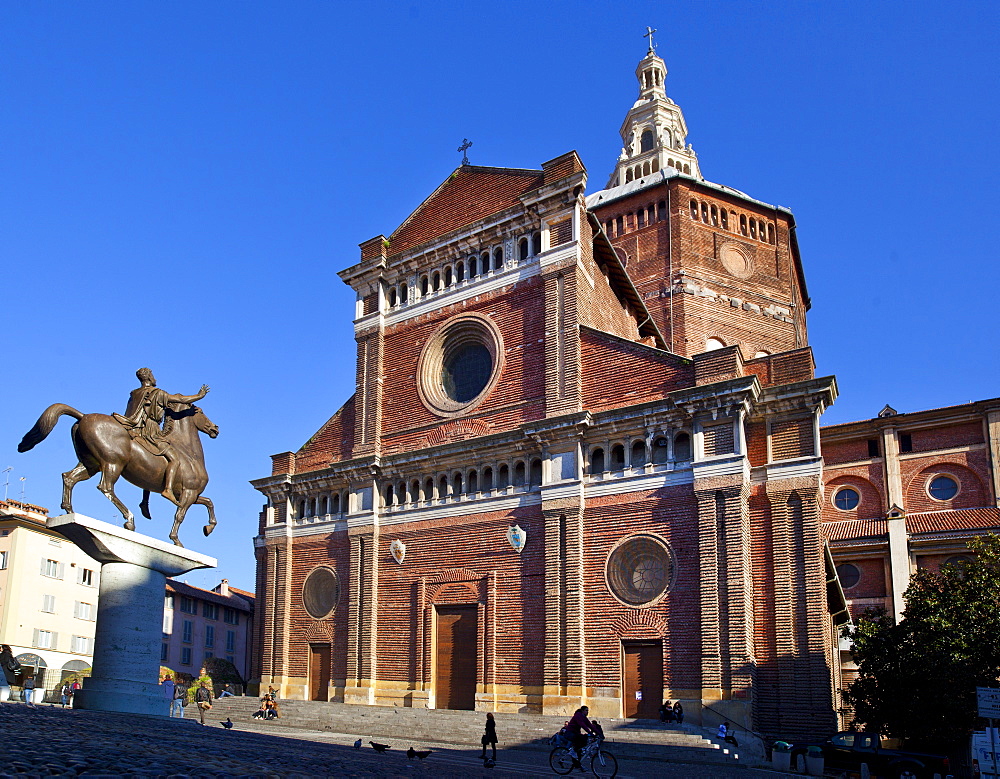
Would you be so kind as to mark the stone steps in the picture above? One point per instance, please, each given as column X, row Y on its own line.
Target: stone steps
column 641, row 739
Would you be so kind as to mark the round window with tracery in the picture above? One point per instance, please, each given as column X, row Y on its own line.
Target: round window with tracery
column 640, row 570
column 460, row 365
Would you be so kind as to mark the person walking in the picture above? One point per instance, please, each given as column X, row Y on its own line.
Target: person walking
column 179, row 699
column 65, row 694
column 29, row 691
column 203, row 699
column 168, row 692
column 489, row 736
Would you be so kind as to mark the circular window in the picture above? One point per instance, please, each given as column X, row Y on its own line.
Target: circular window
column 320, row 592
column 849, row 575
column 846, row 499
column 943, row 488
column 460, row 365
column 640, row 570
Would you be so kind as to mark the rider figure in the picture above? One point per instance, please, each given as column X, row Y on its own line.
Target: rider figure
column 579, row 723
column 143, row 416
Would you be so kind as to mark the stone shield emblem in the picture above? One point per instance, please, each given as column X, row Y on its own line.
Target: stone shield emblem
column 517, row 537
column 398, row 551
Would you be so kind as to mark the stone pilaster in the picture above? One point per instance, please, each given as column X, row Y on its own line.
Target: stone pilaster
column 362, row 630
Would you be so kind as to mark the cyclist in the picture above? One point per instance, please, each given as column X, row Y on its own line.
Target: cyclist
column 576, row 725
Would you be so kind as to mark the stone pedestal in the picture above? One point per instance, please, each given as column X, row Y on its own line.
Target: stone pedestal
column 134, row 569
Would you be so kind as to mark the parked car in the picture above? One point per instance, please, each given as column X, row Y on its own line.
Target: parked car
column 848, row 750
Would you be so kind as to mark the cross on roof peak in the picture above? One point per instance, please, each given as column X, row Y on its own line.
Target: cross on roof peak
column 649, row 34
column 466, row 143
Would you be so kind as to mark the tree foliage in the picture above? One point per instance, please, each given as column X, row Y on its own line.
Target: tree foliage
column 917, row 679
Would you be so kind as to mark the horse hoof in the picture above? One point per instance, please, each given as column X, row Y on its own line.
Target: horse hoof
column 177, row 542
column 145, row 512
column 130, row 525
column 207, row 530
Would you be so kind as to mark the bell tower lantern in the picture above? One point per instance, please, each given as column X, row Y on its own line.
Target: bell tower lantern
column 654, row 133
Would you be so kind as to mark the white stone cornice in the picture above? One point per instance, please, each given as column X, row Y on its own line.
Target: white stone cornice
column 795, row 469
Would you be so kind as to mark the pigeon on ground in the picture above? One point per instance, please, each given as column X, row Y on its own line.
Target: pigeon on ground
column 228, row 724
column 380, row 748
column 410, row 753
column 357, row 744
column 423, row 754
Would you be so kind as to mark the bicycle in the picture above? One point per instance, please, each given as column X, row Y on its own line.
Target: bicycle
column 602, row 763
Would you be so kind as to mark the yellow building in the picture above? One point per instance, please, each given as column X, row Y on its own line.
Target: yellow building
column 48, row 598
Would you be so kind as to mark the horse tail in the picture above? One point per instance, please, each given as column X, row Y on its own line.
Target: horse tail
column 44, row 425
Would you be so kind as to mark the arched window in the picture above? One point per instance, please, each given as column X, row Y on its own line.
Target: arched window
column 487, row 479
column 715, row 216
column 638, row 458
column 617, row 457
column 661, row 448
column 335, row 504
column 597, row 460
column 388, row 495
column 301, row 509
column 770, row 233
column 704, row 213
column 640, row 218
column 620, row 225
column 503, row 477
column 753, row 228
column 650, row 214
column 609, row 228
column 628, row 175
column 694, row 209
column 401, row 493
column 424, row 286
column 646, row 139
column 324, row 505
column 415, row 491
column 403, row 293
column 429, row 488
column 443, row 490
column 743, row 224
column 447, row 276
column 519, row 474
column 460, row 272
column 473, row 267
column 536, row 473
column 714, row 343
column 522, row 249
column 536, row 243
column 661, row 211
column 656, row 165
column 457, row 484
column 687, row 169
column 473, row 481
column 682, row 447
column 761, row 353
column 392, row 297
column 437, row 281
column 645, row 168
column 497, row 258
column 725, row 219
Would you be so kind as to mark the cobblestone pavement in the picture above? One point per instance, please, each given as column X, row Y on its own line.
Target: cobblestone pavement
column 51, row 741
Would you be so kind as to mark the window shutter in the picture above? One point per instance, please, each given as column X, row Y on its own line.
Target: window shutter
column 61, row 570
column 76, row 609
column 44, row 560
column 54, row 641
column 34, row 636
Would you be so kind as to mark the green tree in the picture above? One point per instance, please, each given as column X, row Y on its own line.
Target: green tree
column 917, row 679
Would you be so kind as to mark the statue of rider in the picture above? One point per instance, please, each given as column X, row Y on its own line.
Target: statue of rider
column 143, row 417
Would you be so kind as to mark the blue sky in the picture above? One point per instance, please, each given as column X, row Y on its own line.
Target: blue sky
column 182, row 181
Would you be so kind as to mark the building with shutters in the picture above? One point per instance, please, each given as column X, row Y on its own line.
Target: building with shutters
column 48, row 597
column 582, row 461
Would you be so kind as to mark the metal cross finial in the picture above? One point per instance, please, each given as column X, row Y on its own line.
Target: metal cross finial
column 466, row 143
column 649, row 34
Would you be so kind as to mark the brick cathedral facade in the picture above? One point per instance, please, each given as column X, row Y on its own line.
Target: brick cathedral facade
column 582, row 462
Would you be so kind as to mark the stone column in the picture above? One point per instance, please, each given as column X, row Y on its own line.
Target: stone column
column 129, row 630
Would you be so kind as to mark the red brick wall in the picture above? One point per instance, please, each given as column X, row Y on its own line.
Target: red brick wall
column 916, row 473
column 331, row 443
column 618, row 373
column 946, row 437
column 599, row 307
column 867, row 481
column 518, row 311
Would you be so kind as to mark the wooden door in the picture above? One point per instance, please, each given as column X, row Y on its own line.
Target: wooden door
column 457, row 654
column 643, row 672
column 319, row 672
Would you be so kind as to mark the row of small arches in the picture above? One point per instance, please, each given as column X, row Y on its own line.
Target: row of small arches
column 523, row 474
column 652, row 166
column 321, row 505
column 711, row 214
column 636, row 220
column 474, row 266
column 639, row 454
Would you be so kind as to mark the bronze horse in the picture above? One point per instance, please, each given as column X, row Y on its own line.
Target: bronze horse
column 104, row 446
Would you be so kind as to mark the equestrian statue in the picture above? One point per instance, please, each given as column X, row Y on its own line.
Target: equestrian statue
column 154, row 445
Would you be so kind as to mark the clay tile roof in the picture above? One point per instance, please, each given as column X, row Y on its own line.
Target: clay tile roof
column 854, row 528
column 469, row 194
column 955, row 520
column 239, row 602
